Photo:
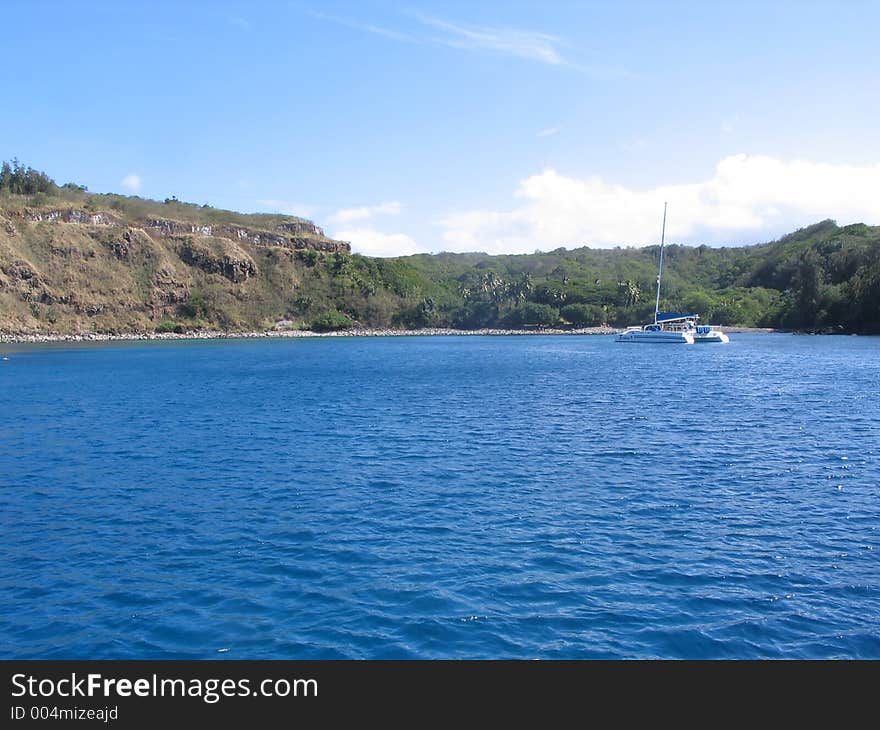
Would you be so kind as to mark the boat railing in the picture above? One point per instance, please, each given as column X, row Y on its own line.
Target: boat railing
column 679, row 326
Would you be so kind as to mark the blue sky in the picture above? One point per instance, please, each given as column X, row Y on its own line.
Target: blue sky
column 506, row 127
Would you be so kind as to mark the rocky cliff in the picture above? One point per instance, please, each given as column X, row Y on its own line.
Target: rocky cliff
column 69, row 268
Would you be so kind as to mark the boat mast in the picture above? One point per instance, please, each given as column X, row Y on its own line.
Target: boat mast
column 660, row 270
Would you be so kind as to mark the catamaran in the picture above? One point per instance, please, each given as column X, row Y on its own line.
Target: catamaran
column 671, row 327
column 708, row 333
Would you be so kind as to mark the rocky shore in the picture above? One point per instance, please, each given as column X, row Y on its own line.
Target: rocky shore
column 18, row 338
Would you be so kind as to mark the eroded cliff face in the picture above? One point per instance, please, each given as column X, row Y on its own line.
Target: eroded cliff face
column 295, row 234
column 72, row 269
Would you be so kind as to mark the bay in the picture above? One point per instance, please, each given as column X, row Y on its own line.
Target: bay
column 441, row 497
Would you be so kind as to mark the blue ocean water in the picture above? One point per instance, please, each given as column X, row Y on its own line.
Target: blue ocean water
column 441, row 497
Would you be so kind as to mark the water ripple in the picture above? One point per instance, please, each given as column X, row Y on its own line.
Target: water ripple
column 554, row 497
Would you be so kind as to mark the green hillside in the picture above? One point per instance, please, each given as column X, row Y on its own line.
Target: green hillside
column 820, row 277
column 73, row 261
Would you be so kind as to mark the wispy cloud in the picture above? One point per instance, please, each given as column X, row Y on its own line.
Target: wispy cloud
column 368, row 27
column 549, row 132
column 239, row 22
column 132, row 183
column 528, row 45
column 636, row 145
column 366, row 212
column 729, row 125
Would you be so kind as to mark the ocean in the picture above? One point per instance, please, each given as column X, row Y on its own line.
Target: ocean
column 558, row 497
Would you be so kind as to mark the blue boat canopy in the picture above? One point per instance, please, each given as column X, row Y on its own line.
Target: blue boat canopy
column 672, row 316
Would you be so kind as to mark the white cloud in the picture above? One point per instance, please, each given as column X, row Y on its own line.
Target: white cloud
column 549, row 132
column 375, row 243
column 132, row 183
column 366, row 212
column 748, row 195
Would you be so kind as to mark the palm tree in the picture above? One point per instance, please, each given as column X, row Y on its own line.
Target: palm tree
column 518, row 291
column 632, row 293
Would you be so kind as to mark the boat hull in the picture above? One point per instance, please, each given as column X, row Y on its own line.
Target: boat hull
column 711, row 337
column 657, row 338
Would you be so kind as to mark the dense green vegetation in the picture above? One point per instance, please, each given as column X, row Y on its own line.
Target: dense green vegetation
column 128, row 276
column 821, row 277
column 18, row 179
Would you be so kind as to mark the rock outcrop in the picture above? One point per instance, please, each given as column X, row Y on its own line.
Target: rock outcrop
column 294, row 234
column 78, row 266
column 218, row 256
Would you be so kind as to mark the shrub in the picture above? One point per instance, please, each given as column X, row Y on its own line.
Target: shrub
column 170, row 326
column 584, row 315
column 532, row 313
column 309, row 257
column 195, row 306
column 332, row 320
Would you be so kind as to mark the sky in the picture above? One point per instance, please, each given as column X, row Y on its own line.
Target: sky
column 504, row 127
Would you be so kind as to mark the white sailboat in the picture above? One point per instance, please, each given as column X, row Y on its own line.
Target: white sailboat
column 708, row 333
column 671, row 331
column 671, row 327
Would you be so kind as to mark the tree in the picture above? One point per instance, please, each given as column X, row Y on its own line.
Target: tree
column 532, row 313
column 19, row 179
column 631, row 293
column 807, row 284
column 518, row 291
column 583, row 315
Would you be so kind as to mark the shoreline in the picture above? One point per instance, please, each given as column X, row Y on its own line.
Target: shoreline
column 34, row 338
column 39, row 338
